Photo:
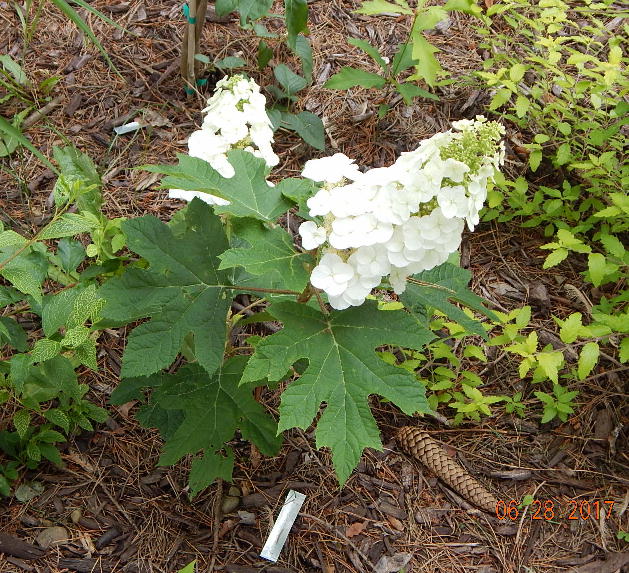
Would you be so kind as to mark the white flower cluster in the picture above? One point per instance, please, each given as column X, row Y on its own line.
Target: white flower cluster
column 236, row 119
column 398, row 220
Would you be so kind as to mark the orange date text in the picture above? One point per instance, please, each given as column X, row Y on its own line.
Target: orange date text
column 551, row 509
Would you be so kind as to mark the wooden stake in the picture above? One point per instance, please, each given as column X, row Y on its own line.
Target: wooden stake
column 191, row 41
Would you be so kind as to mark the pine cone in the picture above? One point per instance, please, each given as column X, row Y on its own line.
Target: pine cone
column 421, row 446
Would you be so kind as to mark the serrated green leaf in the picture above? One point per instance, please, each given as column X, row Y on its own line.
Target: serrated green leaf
column 550, row 362
column 471, row 351
column 523, row 316
column 49, row 436
column 371, row 7
column 516, row 73
column 522, row 104
column 550, row 413
column 350, row 77
column 343, row 370
column 268, row 252
column 71, row 254
column 613, row 245
column 33, row 451
column 75, row 336
column 45, row 349
column 440, row 285
column 95, row 412
column 51, row 453
column 624, row 350
column 68, row 225
column 182, row 291
column 22, row 422
column 408, row 91
column 86, row 306
column 423, row 51
column 597, row 267
column 84, row 423
column 544, row 397
column 12, row 333
column 78, row 172
column 571, row 328
column 248, row 191
column 9, row 295
column 11, row 239
column 555, row 258
column 57, row 308
column 587, row 359
column 501, row 97
column 5, row 486
column 26, row 271
column 466, row 6
column 369, row 50
column 307, row 125
column 86, row 354
column 563, row 154
column 58, row 417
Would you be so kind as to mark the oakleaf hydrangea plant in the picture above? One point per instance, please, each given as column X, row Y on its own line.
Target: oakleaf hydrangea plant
column 392, row 227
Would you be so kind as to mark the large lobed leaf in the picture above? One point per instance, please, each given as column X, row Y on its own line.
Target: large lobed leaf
column 268, row 252
column 248, row 191
column 436, row 287
column 182, row 291
column 343, row 371
column 197, row 412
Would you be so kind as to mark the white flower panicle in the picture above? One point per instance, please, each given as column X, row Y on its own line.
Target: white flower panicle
column 235, row 118
column 402, row 219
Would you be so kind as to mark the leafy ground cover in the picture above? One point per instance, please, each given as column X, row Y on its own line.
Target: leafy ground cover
column 119, row 512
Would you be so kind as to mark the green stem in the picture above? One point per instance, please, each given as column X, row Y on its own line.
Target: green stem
column 394, row 72
column 255, row 289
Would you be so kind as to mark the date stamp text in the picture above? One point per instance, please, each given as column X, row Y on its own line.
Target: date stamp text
column 551, row 509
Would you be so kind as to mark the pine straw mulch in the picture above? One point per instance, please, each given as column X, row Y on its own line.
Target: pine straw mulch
column 122, row 513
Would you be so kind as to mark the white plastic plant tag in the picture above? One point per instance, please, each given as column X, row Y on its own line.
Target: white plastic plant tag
column 128, row 127
column 285, row 520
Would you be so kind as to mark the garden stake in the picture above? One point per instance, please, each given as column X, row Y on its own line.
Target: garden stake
column 195, row 12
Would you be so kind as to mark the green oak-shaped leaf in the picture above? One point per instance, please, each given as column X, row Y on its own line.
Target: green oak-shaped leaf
column 210, row 408
column 182, row 291
column 343, row 370
column 440, row 285
column 268, row 252
column 247, row 191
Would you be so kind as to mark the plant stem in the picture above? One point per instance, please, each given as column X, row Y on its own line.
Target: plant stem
column 255, row 289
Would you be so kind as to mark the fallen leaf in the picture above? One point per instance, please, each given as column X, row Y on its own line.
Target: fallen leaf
column 356, row 528
column 395, row 523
